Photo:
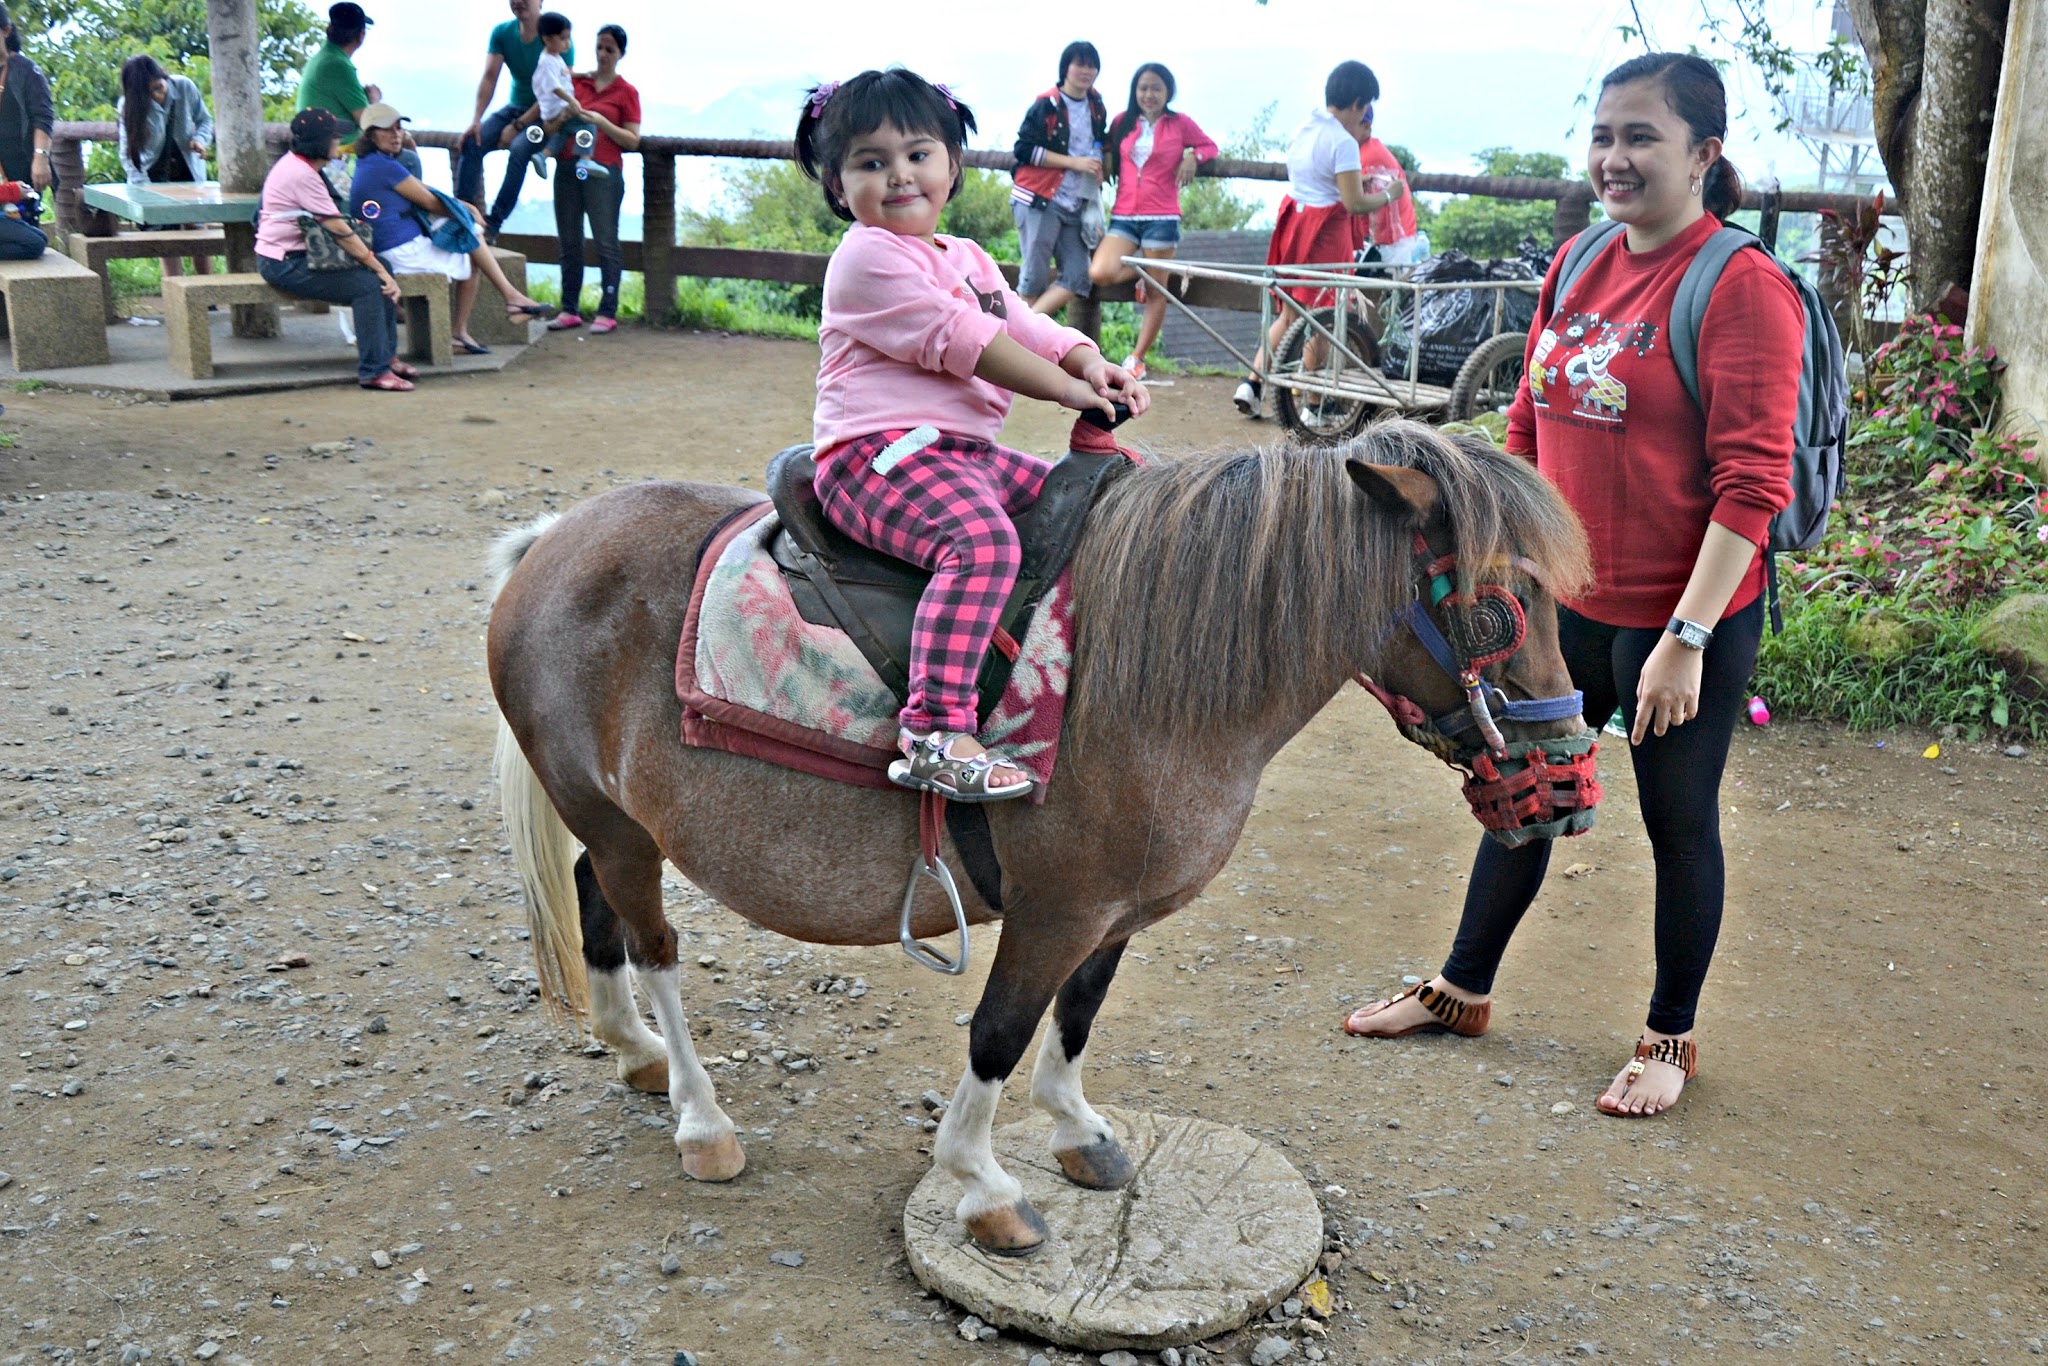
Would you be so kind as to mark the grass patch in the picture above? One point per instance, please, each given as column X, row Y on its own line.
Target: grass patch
column 29, row 386
column 1943, row 680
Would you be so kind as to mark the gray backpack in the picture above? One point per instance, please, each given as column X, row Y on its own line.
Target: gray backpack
column 1820, row 434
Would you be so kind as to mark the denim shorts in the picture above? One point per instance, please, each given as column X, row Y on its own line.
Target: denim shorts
column 1147, row 232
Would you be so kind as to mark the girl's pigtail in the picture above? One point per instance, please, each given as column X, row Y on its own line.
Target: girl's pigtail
column 815, row 100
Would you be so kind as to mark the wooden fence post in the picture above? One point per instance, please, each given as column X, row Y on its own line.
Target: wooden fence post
column 1574, row 212
column 658, row 234
column 1084, row 315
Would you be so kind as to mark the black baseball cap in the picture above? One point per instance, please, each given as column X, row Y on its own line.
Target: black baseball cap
column 348, row 14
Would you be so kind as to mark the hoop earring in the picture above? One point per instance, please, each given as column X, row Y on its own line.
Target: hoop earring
column 1695, row 185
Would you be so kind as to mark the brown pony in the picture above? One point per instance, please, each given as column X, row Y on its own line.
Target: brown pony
column 1220, row 602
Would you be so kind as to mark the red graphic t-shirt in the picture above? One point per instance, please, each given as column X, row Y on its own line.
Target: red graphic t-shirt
column 1607, row 417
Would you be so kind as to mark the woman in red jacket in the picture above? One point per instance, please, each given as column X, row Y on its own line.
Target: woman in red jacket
column 1677, row 499
column 1150, row 153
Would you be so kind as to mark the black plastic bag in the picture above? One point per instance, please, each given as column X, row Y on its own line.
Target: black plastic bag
column 1450, row 324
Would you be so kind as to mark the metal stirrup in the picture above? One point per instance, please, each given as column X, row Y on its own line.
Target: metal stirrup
column 930, row 817
column 919, row 951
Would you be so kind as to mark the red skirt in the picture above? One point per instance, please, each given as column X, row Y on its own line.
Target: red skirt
column 1330, row 235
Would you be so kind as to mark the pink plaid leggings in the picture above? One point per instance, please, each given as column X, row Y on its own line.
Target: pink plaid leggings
column 945, row 506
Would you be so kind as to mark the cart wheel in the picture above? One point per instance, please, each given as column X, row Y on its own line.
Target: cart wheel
column 1487, row 381
column 1313, row 417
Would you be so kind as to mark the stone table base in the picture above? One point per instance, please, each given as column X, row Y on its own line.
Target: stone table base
column 1214, row 1229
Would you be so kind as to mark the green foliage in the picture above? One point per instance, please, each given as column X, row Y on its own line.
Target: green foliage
column 29, row 386
column 1210, row 203
column 81, row 44
column 1943, row 515
column 1488, row 228
column 1810, row 671
column 981, row 213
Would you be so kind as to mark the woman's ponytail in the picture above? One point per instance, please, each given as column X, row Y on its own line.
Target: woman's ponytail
column 1721, row 195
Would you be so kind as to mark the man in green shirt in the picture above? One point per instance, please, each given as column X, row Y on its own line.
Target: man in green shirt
column 515, row 46
column 329, row 81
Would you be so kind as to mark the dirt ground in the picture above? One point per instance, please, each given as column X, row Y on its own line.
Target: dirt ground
column 279, row 1092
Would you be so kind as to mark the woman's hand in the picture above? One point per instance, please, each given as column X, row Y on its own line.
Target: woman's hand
column 1184, row 174
column 1668, row 690
column 197, row 146
column 389, row 286
column 574, row 110
column 39, row 169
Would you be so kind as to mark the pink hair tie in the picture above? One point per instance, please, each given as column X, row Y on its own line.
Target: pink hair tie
column 821, row 96
column 947, row 91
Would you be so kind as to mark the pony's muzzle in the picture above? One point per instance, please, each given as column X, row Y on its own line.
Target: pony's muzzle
column 1535, row 789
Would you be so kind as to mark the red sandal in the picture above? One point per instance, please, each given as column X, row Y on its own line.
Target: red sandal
column 389, row 382
column 1453, row 1016
column 403, row 370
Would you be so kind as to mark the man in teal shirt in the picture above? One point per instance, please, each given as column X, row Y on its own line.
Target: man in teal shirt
column 514, row 45
column 329, row 81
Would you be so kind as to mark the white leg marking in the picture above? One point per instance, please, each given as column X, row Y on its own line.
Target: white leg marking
column 964, row 1150
column 1056, row 1089
column 617, row 1024
column 689, row 1088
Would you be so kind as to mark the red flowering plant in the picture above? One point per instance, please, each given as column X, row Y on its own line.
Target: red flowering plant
column 1942, row 508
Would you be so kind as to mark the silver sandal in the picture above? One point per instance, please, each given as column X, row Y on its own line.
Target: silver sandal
column 928, row 766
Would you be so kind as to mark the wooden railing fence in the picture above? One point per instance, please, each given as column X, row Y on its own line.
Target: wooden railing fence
column 661, row 269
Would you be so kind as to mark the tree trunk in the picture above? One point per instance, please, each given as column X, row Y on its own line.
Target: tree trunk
column 232, row 34
column 1934, row 73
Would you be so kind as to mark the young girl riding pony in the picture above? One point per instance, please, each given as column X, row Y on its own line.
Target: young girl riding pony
column 923, row 346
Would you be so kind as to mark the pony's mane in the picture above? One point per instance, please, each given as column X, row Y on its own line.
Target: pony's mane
column 1205, row 586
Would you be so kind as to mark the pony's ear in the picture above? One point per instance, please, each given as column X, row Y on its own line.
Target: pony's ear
column 1408, row 494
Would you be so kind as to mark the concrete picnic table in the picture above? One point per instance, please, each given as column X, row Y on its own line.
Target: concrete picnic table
column 198, row 202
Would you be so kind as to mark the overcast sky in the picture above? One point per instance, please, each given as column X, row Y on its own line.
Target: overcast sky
column 1456, row 75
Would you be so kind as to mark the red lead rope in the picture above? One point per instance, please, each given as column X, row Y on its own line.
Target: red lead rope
column 931, row 818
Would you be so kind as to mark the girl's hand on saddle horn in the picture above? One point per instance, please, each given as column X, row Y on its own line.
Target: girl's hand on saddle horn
column 1112, row 383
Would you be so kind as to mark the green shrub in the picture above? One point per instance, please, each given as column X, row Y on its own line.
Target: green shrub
column 1944, row 515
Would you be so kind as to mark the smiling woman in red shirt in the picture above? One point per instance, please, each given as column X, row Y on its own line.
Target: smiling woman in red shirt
column 1677, row 500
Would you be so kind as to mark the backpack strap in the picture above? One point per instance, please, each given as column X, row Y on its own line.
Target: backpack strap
column 1579, row 254
column 1689, row 305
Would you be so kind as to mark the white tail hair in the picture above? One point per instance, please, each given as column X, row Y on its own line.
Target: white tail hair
column 510, row 548
column 542, row 848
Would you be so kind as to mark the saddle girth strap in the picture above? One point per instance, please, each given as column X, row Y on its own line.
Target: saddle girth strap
column 967, row 823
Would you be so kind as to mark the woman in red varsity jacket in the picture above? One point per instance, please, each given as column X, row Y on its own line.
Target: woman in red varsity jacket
column 1677, row 500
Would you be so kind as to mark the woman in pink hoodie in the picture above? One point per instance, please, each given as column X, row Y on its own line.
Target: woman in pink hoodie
column 1150, row 153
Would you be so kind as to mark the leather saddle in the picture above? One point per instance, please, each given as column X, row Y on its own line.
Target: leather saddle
column 836, row 581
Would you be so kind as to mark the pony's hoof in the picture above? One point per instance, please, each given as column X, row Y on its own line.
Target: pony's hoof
column 651, row 1077
column 1099, row 1166
column 1014, row 1231
column 721, row 1159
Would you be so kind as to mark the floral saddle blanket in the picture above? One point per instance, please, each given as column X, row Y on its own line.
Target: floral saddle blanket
column 761, row 674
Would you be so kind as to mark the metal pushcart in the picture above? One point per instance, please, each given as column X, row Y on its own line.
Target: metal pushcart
column 1325, row 374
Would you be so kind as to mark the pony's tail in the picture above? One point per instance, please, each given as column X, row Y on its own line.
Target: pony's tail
column 545, row 853
column 542, row 848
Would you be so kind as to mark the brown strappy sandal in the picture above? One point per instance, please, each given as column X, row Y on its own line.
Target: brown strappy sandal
column 1453, row 1016
column 1683, row 1054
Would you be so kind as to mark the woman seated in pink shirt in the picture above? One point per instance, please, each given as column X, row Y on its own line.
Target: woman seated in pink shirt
column 923, row 345
column 294, row 189
column 1151, row 153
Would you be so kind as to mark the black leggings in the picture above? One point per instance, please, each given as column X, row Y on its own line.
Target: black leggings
column 1678, row 780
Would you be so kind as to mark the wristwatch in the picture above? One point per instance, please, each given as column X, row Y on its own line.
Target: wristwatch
column 1691, row 634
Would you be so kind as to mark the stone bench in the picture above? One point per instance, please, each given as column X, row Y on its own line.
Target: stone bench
column 52, row 317
column 487, row 321
column 425, row 314
column 94, row 252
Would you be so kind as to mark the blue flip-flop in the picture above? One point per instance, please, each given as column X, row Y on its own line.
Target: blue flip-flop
column 471, row 348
